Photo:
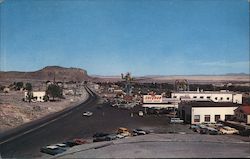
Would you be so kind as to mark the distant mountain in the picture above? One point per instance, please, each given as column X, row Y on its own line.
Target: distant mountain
column 237, row 74
column 48, row 73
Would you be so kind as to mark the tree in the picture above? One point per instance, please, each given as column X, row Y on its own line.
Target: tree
column 19, row 85
column 28, row 87
column 54, row 91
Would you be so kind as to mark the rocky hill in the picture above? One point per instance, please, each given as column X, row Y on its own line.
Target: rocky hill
column 48, row 73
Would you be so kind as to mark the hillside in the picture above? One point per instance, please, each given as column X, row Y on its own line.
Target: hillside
column 48, row 73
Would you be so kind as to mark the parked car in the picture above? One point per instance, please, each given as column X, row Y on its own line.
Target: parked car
column 125, row 134
column 80, row 141
column 100, row 137
column 202, row 129
column 212, row 131
column 228, row 130
column 101, row 134
column 62, row 145
column 114, row 105
column 122, row 130
column 74, row 142
column 215, row 126
column 138, row 132
column 87, row 113
column 176, row 120
column 194, row 127
column 70, row 143
column 245, row 132
column 111, row 137
column 119, row 136
column 52, row 150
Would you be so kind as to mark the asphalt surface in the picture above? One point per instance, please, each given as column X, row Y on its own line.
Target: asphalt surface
column 27, row 143
column 163, row 146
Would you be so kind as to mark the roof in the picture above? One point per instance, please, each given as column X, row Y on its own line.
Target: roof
column 205, row 92
column 208, row 104
column 244, row 109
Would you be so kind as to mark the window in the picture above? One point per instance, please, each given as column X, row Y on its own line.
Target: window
column 216, row 98
column 228, row 117
column 221, row 98
column 195, row 97
column 201, row 97
column 207, row 118
column 217, row 117
column 227, row 98
column 197, row 118
column 208, row 97
column 175, row 97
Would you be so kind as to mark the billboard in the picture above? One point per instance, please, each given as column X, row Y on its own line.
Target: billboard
column 152, row 99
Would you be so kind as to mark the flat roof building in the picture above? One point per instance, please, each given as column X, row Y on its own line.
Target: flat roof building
column 215, row 96
column 195, row 112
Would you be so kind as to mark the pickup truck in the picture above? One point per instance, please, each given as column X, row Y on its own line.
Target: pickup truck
column 176, row 120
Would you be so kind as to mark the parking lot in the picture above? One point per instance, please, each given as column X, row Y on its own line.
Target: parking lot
column 114, row 117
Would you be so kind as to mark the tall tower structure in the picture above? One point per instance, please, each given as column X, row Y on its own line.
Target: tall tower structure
column 128, row 79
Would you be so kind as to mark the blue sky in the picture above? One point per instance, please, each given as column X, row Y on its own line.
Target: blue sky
column 144, row 37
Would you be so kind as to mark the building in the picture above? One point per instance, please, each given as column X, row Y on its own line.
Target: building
column 6, row 90
column 194, row 112
column 215, row 96
column 37, row 96
column 242, row 113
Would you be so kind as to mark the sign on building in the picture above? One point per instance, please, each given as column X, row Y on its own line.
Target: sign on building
column 152, row 99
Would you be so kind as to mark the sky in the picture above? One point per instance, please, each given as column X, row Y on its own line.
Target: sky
column 110, row 37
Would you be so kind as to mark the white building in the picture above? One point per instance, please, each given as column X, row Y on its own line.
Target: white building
column 215, row 96
column 37, row 96
column 195, row 112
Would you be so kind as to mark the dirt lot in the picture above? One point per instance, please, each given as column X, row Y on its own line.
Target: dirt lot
column 15, row 112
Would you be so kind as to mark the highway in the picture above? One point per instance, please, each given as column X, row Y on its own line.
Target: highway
column 26, row 142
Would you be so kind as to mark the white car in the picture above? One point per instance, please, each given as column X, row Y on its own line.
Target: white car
column 140, row 113
column 119, row 136
column 228, row 130
column 87, row 113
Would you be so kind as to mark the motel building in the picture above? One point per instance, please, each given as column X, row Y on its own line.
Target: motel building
column 196, row 112
column 37, row 96
column 215, row 96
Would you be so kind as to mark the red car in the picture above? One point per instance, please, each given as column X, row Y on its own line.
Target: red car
column 80, row 141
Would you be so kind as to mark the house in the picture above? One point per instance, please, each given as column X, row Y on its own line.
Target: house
column 36, row 96
column 195, row 112
column 6, row 90
column 242, row 113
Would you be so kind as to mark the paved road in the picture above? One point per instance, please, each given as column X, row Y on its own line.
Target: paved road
column 28, row 141
column 73, row 125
